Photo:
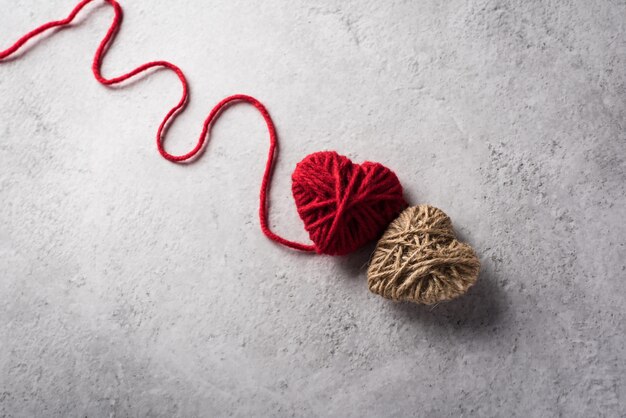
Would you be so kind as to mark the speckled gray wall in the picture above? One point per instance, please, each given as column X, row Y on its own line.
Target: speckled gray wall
column 130, row 286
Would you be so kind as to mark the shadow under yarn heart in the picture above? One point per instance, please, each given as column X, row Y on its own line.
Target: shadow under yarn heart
column 419, row 259
column 344, row 205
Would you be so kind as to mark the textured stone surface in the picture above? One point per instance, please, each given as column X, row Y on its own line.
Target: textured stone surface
column 130, row 286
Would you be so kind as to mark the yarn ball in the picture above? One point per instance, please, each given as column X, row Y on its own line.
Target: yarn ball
column 344, row 205
column 419, row 259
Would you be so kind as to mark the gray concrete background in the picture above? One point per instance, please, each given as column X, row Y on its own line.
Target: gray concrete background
column 130, row 286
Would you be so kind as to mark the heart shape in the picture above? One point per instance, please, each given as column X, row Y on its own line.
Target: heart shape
column 419, row 259
column 344, row 205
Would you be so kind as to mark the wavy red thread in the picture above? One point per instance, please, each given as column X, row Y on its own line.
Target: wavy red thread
column 169, row 117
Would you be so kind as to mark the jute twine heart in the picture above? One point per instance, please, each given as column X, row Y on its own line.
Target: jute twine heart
column 419, row 259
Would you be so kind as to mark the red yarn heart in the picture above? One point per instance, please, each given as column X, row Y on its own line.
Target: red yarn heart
column 344, row 205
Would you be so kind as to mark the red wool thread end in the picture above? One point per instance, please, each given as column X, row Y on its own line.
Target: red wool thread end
column 343, row 205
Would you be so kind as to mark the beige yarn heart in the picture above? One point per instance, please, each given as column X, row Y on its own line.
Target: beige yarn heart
column 419, row 259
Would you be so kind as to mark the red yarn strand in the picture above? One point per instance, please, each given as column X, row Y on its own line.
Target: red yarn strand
column 170, row 116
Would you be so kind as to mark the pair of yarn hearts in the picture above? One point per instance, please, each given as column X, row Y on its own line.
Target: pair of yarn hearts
column 345, row 205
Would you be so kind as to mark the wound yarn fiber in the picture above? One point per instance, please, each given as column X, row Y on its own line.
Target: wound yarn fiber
column 419, row 259
column 344, row 205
